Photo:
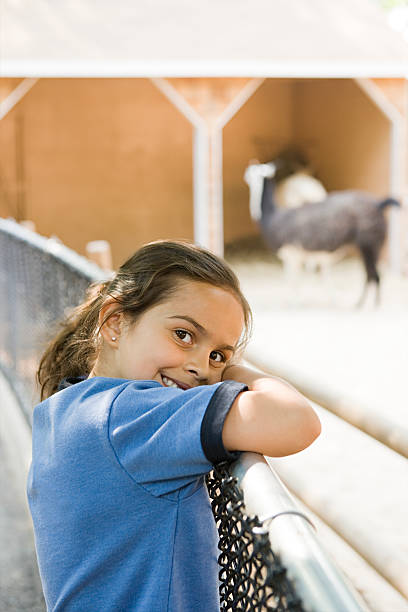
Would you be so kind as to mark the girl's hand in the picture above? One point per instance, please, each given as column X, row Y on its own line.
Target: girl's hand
column 272, row 418
column 242, row 374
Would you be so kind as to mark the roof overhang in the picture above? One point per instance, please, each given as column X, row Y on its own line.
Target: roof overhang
column 212, row 38
column 185, row 68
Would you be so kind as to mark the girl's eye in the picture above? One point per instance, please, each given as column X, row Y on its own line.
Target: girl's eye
column 218, row 357
column 184, row 336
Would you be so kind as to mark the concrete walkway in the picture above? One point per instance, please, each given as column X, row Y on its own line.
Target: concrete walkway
column 309, row 333
column 20, row 588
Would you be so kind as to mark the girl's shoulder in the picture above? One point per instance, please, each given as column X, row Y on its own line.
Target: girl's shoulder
column 82, row 389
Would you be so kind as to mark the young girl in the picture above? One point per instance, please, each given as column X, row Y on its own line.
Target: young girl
column 144, row 395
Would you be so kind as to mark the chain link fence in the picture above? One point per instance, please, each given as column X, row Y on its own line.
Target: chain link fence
column 40, row 281
column 252, row 577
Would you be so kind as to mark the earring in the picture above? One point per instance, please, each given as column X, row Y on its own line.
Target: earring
column 113, row 339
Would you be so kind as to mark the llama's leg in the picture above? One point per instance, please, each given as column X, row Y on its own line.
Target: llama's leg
column 292, row 264
column 325, row 264
column 377, row 294
column 370, row 256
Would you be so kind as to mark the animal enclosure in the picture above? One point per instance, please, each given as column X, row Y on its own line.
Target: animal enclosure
column 92, row 159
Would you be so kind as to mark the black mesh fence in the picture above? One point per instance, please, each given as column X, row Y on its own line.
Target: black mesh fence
column 252, row 577
column 40, row 281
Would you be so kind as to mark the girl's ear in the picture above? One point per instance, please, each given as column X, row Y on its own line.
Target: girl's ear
column 111, row 329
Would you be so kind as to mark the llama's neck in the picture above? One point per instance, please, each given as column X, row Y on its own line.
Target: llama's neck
column 268, row 205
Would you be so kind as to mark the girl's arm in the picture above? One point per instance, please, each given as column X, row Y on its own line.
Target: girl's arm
column 272, row 418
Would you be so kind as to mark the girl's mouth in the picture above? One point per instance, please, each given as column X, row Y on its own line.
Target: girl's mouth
column 169, row 382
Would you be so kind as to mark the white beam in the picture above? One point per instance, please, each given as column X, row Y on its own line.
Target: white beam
column 378, row 97
column 246, row 92
column 15, row 96
column 178, row 101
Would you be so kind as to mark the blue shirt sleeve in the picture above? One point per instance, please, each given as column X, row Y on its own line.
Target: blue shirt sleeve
column 166, row 438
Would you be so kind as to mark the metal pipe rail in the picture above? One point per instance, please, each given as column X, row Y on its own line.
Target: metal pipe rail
column 66, row 256
column 318, row 582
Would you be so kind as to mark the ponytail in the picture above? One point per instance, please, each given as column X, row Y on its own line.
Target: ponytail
column 73, row 351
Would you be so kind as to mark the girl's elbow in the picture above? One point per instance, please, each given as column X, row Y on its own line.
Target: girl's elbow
column 304, row 433
column 311, row 428
column 315, row 428
column 300, row 439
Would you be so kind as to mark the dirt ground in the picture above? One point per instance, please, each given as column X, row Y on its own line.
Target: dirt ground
column 340, row 289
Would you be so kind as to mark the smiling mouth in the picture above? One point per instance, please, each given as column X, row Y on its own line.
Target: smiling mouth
column 169, row 382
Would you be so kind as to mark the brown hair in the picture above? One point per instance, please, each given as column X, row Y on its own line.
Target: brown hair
column 143, row 281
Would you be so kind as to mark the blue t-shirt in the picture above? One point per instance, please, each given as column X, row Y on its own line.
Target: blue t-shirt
column 121, row 514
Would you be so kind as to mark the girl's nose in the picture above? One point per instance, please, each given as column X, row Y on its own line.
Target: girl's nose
column 198, row 366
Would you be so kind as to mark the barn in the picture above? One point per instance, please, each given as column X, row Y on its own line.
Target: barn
column 135, row 121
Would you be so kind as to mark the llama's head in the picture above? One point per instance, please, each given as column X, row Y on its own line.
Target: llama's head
column 254, row 176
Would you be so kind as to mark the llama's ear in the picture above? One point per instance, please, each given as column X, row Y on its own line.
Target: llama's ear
column 271, row 169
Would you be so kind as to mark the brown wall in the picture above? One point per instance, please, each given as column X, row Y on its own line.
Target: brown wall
column 103, row 159
column 343, row 133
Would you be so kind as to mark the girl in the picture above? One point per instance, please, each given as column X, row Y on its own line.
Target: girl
column 144, row 395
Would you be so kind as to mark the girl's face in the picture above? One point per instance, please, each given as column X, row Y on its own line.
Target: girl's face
column 185, row 341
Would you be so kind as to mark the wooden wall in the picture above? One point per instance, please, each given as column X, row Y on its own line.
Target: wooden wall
column 260, row 130
column 103, row 159
column 344, row 134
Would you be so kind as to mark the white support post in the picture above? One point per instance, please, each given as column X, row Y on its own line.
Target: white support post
column 216, row 191
column 200, row 179
column 217, row 160
column 395, row 183
column 208, row 212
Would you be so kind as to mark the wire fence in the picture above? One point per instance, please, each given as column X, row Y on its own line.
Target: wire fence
column 41, row 280
column 252, row 577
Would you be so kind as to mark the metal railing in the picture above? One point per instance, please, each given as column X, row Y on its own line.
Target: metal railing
column 317, row 581
column 270, row 558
